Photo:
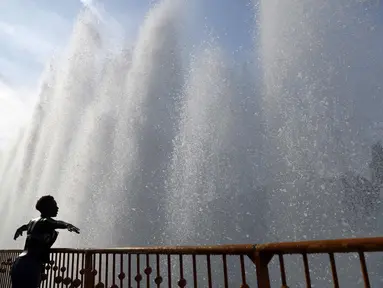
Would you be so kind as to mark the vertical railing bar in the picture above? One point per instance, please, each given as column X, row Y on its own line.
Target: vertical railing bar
column 68, row 264
column 181, row 260
column 90, row 267
column 129, row 270
column 4, row 255
column 209, row 271
column 15, row 255
column 3, row 276
column 99, row 268
column 1, row 267
column 158, row 269
column 169, row 271
column 45, row 274
column 182, row 281
column 72, row 269
column 58, row 264
column 195, row 271
column 7, row 270
column 82, row 268
column 63, row 272
column 243, row 272
column 138, row 279
column 333, row 270
column 93, row 268
column 225, row 277
column 12, row 257
column 8, row 279
column 282, row 269
column 364, row 270
column 94, row 261
column 106, row 269
column 53, row 260
column 307, row 270
column 114, row 269
column 77, row 265
column 147, row 272
column 10, row 262
column 121, row 270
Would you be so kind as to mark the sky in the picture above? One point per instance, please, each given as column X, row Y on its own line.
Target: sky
column 32, row 32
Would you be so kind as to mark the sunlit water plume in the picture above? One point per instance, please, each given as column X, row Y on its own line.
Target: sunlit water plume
column 170, row 141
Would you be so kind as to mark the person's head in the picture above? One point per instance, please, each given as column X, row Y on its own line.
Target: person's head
column 47, row 206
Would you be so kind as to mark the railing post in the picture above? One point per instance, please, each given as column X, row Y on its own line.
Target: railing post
column 89, row 277
column 262, row 265
column 261, row 260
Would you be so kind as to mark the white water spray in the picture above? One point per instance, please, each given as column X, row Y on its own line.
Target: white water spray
column 168, row 142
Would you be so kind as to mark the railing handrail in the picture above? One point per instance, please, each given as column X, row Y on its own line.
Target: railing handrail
column 236, row 249
column 310, row 247
column 372, row 244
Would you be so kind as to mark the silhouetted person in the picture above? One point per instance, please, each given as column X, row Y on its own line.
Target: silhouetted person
column 41, row 234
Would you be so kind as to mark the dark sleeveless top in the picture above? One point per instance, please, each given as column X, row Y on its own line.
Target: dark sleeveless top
column 41, row 235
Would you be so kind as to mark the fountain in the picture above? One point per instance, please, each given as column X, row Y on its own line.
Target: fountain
column 319, row 128
column 168, row 142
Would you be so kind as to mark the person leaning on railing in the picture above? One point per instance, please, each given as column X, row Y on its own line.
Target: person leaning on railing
column 41, row 235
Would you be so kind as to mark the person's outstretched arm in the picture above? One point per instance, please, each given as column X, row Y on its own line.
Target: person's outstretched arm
column 20, row 230
column 57, row 224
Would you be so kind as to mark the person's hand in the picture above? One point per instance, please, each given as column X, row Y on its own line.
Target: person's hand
column 72, row 228
column 18, row 233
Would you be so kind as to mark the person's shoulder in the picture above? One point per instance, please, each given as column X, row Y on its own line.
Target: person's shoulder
column 47, row 224
column 48, row 220
column 33, row 221
column 32, row 224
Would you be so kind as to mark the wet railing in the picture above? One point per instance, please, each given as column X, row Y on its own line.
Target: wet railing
column 210, row 266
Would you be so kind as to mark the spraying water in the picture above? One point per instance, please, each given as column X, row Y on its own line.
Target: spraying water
column 320, row 121
column 168, row 142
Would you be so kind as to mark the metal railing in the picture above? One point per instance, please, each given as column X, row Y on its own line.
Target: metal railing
column 209, row 266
